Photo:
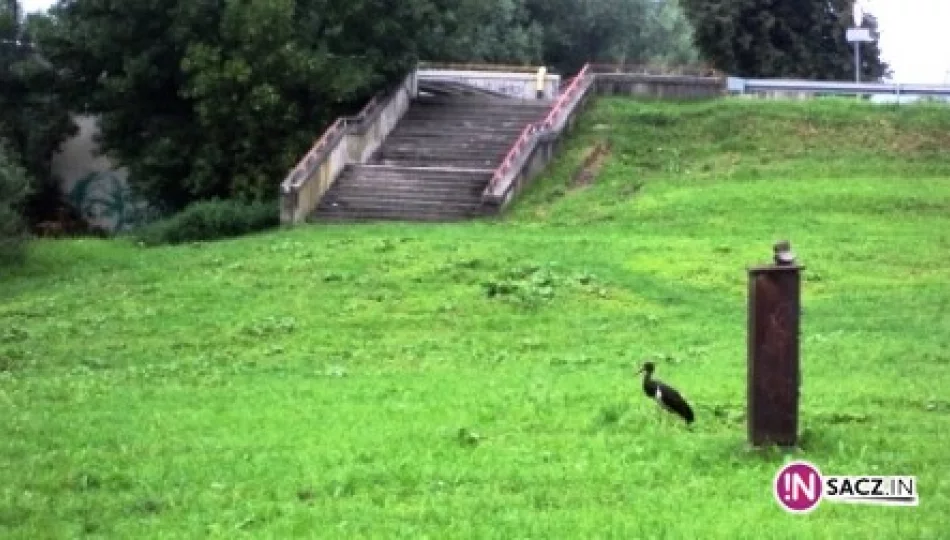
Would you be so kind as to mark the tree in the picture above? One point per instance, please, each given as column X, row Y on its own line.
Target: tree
column 611, row 31
column 36, row 119
column 14, row 189
column 781, row 38
column 205, row 98
column 493, row 31
column 669, row 37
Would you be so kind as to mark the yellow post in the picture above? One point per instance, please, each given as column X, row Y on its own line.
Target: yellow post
column 539, row 81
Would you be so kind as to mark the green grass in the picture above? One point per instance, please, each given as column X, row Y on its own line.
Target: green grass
column 360, row 381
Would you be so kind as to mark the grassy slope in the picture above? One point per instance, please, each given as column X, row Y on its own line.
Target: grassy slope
column 314, row 381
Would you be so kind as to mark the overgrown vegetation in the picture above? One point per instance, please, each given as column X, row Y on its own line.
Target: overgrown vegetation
column 35, row 117
column 211, row 220
column 476, row 379
column 14, row 190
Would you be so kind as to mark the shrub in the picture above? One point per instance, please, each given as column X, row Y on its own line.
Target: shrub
column 211, row 220
column 14, row 189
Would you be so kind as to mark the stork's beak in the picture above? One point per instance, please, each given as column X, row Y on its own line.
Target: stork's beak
column 639, row 371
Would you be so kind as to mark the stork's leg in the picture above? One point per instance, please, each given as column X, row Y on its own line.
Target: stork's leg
column 662, row 415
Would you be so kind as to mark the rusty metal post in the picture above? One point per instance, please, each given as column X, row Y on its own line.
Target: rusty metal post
column 773, row 367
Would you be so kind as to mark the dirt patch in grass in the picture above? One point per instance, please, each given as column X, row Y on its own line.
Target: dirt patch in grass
column 594, row 160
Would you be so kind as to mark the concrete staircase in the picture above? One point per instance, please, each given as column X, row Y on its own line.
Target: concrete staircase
column 435, row 164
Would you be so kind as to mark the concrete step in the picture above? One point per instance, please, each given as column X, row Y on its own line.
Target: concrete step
column 442, row 162
column 370, row 215
column 376, row 176
column 475, row 125
column 383, row 184
column 448, row 146
column 365, row 184
column 430, row 135
column 451, row 138
column 348, row 198
column 404, row 207
column 438, row 131
column 474, row 117
column 438, row 150
column 353, row 195
column 470, row 110
column 464, row 135
column 416, row 172
column 400, row 210
column 443, row 151
column 489, row 110
column 481, row 102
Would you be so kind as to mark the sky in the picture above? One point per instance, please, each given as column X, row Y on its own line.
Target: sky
column 914, row 37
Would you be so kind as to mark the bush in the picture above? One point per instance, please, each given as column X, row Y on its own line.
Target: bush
column 211, row 220
column 14, row 189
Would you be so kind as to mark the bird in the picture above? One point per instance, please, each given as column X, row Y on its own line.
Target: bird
column 665, row 395
column 784, row 255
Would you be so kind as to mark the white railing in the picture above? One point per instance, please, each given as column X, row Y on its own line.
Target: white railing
column 739, row 85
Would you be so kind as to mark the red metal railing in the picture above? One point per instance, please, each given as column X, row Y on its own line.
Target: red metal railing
column 304, row 167
column 570, row 91
column 566, row 96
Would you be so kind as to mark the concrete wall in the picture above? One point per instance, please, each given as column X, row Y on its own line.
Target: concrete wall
column 511, row 83
column 94, row 184
column 659, row 86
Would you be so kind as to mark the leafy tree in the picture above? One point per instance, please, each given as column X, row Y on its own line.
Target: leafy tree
column 611, row 31
column 208, row 98
column 780, row 38
column 496, row 31
column 668, row 39
column 36, row 119
column 14, row 189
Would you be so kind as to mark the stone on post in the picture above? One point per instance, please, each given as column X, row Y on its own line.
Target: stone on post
column 773, row 366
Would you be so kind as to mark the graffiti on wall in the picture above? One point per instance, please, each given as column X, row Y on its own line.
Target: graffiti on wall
column 513, row 89
column 94, row 186
column 105, row 199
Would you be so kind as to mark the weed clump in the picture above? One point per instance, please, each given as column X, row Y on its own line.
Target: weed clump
column 211, row 220
column 532, row 285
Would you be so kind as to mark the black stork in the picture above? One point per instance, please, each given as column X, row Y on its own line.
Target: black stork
column 665, row 395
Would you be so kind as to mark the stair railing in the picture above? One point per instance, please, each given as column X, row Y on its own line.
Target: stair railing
column 340, row 144
column 532, row 133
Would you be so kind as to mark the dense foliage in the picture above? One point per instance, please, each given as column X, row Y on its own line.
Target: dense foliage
column 211, row 220
column 577, row 31
column 778, row 38
column 35, row 117
column 14, row 189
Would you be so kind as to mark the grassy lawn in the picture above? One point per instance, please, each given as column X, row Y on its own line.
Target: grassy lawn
column 361, row 380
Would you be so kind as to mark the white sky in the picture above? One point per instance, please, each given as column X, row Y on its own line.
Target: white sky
column 915, row 39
